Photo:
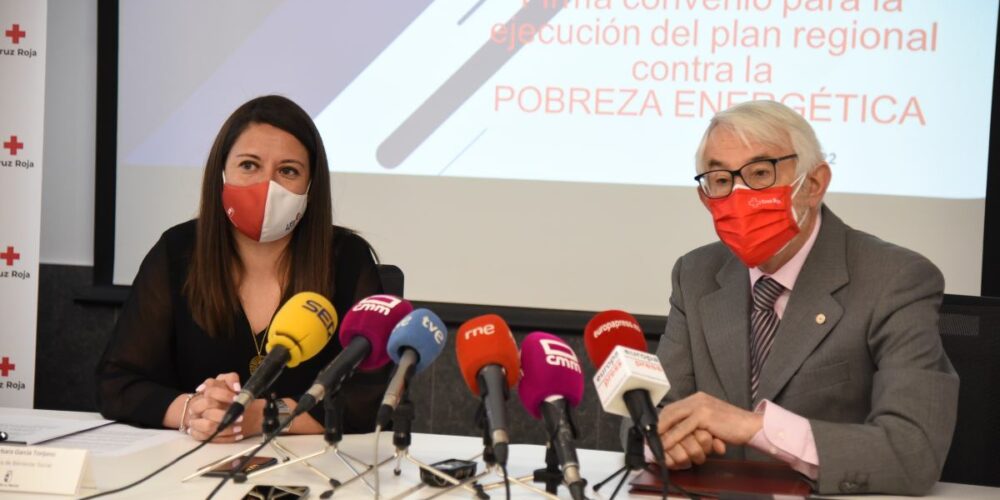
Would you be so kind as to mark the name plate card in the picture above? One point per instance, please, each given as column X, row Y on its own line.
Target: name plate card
column 41, row 469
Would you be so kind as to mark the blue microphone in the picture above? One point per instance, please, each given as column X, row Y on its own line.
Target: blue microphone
column 415, row 342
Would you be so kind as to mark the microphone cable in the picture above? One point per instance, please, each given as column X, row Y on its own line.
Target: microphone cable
column 157, row 471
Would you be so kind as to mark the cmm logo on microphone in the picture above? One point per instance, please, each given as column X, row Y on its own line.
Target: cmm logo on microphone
column 560, row 354
column 382, row 304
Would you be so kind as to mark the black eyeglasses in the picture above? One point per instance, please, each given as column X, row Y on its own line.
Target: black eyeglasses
column 758, row 174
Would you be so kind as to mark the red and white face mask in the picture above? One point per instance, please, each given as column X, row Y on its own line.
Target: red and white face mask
column 756, row 224
column 265, row 211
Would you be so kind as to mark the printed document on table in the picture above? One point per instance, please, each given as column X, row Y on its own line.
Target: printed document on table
column 32, row 430
column 118, row 440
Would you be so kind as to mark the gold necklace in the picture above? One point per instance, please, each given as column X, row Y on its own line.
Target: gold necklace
column 259, row 346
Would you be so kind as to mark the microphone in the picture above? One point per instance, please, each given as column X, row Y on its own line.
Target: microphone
column 487, row 357
column 363, row 335
column 299, row 331
column 628, row 378
column 415, row 342
column 551, row 384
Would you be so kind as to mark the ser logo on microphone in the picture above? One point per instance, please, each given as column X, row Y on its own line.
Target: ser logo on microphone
column 382, row 304
column 323, row 315
column 430, row 326
column 559, row 354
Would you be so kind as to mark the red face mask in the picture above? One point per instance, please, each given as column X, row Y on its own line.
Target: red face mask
column 755, row 224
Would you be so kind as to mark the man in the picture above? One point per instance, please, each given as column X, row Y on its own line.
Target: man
column 797, row 337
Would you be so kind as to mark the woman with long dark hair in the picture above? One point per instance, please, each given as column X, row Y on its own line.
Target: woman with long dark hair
column 195, row 323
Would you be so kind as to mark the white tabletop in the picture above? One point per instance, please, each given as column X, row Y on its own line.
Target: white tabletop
column 108, row 472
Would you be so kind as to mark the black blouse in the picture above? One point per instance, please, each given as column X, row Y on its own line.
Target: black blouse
column 157, row 352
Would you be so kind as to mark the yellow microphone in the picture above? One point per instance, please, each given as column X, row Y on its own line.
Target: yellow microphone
column 299, row 331
column 303, row 326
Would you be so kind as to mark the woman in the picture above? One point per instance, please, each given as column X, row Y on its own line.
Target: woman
column 195, row 323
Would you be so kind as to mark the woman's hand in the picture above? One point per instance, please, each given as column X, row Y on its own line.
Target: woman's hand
column 211, row 401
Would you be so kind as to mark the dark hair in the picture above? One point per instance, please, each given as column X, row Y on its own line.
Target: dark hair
column 210, row 287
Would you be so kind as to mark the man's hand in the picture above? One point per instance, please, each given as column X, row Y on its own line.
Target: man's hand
column 693, row 449
column 681, row 420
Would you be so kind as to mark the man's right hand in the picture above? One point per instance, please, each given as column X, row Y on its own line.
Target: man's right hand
column 693, row 449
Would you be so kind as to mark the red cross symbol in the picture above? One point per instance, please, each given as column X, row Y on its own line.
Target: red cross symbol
column 15, row 34
column 6, row 366
column 13, row 145
column 10, row 256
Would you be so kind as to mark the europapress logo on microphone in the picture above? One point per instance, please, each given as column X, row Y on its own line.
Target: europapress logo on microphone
column 16, row 35
column 14, row 150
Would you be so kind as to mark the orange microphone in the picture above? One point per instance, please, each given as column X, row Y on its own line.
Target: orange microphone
column 488, row 358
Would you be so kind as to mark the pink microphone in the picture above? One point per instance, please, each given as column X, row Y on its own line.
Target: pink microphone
column 364, row 334
column 552, row 383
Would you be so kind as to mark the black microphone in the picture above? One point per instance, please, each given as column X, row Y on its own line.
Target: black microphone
column 299, row 330
column 364, row 335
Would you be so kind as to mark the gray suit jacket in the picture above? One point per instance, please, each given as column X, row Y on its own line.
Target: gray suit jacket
column 872, row 377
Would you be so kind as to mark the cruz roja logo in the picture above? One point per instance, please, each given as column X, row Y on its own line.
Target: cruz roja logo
column 15, row 33
column 7, row 259
column 6, row 369
column 13, row 145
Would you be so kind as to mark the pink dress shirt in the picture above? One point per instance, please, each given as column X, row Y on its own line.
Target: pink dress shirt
column 785, row 435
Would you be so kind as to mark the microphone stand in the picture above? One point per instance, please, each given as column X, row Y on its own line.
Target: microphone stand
column 552, row 474
column 333, row 434
column 268, row 426
column 402, row 424
column 492, row 466
column 634, row 460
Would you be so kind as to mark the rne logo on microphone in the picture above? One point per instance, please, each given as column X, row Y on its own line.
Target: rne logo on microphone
column 430, row 326
column 324, row 316
column 560, row 354
column 382, row 304
column 487, row 329
column 618, row 323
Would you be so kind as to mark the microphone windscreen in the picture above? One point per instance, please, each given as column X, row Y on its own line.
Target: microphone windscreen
column 424, row 332
column 303, row 325
column 486, row 340
column 610, row 329
column 549, row 367
column 373, row 318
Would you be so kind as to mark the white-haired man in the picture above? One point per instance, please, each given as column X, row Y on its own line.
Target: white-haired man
column 797, row 337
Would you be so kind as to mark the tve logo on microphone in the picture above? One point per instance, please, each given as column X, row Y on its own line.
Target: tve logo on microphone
column 560, row 354
column 430, row 326
column 382, row 304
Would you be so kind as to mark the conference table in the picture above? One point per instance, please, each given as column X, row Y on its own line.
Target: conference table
column 108, row 472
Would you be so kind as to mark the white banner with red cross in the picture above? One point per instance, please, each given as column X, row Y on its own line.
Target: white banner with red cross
column 22, row 113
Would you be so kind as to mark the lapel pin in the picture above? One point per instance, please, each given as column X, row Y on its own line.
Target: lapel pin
column 820, row 319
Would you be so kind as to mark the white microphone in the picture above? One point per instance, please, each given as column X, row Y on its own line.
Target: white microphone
column 627, row 369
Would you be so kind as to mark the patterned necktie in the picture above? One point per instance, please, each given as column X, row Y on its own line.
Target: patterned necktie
column 763, row 324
